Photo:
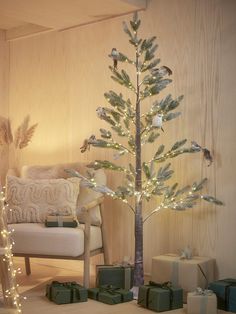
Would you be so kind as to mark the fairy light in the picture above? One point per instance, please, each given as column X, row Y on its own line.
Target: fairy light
column 12, row 291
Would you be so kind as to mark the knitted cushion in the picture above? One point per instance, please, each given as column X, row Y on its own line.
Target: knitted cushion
column 86, row 195
column 32, row 200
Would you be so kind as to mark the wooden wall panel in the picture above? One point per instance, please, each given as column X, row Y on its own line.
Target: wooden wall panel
column 4, row 71
column 59, row 79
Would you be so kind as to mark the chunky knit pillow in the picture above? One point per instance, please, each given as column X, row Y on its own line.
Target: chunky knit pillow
column 32, row 200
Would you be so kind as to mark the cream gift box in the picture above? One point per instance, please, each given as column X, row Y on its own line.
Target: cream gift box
column 185, row 273
column 203, row 302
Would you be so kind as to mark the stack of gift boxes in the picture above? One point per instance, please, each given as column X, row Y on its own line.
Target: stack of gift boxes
column 113, row 287
column 174, row 281
column 195, row 276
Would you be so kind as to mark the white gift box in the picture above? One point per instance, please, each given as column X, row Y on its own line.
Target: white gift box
column 201, row 304
column 185, row 273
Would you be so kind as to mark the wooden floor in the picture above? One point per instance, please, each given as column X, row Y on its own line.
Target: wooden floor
column 44, row 271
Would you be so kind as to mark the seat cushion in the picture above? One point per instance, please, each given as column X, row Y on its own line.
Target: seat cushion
column 35, row 238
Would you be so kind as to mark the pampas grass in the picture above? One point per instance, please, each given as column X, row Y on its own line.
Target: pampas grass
column 6, row 137
column 22, row 136
column 24, row 133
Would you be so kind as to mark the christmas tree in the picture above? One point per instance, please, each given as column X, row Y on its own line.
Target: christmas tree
column 147, row 179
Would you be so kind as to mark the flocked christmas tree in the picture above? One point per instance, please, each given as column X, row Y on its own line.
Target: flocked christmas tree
column 148, row 179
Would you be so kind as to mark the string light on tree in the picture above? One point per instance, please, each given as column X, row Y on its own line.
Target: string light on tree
column 143, row 180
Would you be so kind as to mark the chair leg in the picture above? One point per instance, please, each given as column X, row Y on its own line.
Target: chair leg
column 87, row 236
column 86, row 272
column 106, row 257
column 104, row 238
column 27, row 266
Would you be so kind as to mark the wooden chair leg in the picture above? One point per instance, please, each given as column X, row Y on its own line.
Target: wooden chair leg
column 104, row 238
column 27, row 266
column 86, row 273
column 87, row 250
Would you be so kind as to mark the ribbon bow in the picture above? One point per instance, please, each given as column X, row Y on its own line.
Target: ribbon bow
column 186, row 253
column 109, row 288
column 164, row 285
column 200, row 291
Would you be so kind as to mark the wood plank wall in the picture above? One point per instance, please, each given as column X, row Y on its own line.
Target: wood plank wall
column 4, row 72
column 59, row 79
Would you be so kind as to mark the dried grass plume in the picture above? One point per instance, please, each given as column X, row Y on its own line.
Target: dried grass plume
column 6, row 137
column 22, row 136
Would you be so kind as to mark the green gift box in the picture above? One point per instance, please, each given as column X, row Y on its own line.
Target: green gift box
column 225, row 291
column 160, row 297
column 110, row 294
column 67, row 224
column 66, row 292
column 118, row 276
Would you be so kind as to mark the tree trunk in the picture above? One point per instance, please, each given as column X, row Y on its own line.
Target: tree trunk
column 138, row 269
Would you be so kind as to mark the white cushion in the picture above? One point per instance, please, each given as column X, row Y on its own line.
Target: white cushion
column 85, row 196
column 35, row 238
column 32, row 200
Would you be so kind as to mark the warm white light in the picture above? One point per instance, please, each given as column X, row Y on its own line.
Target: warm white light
column 8, row 257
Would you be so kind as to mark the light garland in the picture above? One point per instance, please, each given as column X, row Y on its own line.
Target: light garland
column 12, row 292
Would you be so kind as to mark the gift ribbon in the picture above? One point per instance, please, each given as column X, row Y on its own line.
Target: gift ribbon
column 200, row 291
column 175, row 273
column 127, row 272
column 164, row 285
column 60, row 221
column 111, row 290
column 186, row 253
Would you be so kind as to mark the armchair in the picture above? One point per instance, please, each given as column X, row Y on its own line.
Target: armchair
column 32, row 239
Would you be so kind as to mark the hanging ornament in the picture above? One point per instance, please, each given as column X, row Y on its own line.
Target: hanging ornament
column 207, row 156
column 164, row 70
column 114, row 55
column 157, row 121
column 86, row 144
column 195, row 145
column 206, row 153
column 101, row 113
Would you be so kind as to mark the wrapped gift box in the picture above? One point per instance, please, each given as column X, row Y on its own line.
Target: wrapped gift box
column 67, row 224
column 185, row 273
column 118, row 276
column 67, row 292
column 61, row 221
column 159, row 298
column 225, row 291
column 54, row 218
column 205, row 303
column 110, row 295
